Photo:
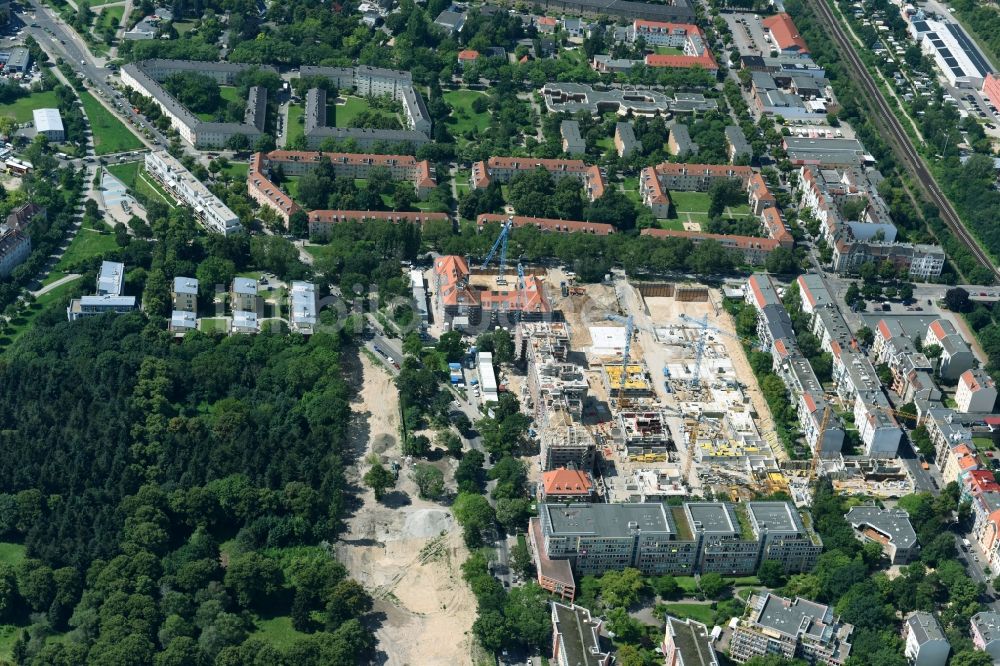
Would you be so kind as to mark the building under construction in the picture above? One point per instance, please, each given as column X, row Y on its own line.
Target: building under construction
column 637, row 386
column 556, row 386
column 566, row 444
column 644, row 436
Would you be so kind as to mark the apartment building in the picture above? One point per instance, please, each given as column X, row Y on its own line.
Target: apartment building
column 503, row 170
column 726, row 544
column 976, row 391
column 792, row 629
column 321, row 222
column 576, row 637
column 558, row 387
column 15, row 248
column 687, row 643
column 185, row 294
column 856, row 379
column 737, row 146
column 889, row 528
column 572, row 142
column 243, row 295
column 264, row 191
column 945, row 428
column 625, row 141
column 567, row 444
column 209, row 210
column 109, row 298
column 679, row 142
column 546, row 224
column 317, row 132
column 182, row 321
column 784, row 535
column 303, row 312
column 926, row 644
column 956, row 355
column 984, row 628
column 244, row 322
column 752, row 250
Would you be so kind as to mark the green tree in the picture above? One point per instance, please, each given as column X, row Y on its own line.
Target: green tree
column 666, row 586
column 712, row 585
column 253, row 578
column 491, row 629
column 781, row 261
column 771, row 573
column 429, row 480
column 474, row 513
column 379, row 479
column 528, row 616
column 621, row 588
column 450, row 442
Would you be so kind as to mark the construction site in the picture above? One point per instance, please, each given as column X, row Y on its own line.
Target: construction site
column 648, row 386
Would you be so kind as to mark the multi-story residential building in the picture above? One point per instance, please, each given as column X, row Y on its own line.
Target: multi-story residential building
column 984, row 628
column 558, row 389
column 109, row 298
column 317, row 132
column 890, row 528
column 926, row 644
column 737, row 146
column 751, row 249
column 625, row 141
column 145, row 77
column 857, row 380
column 687, row 643
column 15, row 248
column 790, row 628
column 208, row 208
column 956, row 355
column 680, row 142
column 958, row 462
column 976, row 391
column 503, row 170
column 546, row 224
column 986, row 526
column 946, row 431
column 182, row 321
column 304, row 310
column 185, row 294
column 566, row 485
column 780, row 30
column 264, row 191
column 245, row 322
column 566, row 444
column 572, row 142
column 243, row 295
column 321, row 222
column 576, row 637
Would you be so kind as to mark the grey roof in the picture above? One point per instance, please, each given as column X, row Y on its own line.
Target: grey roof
column 111, row 278
column 679, row 133
column 580, row 644
column 570, row 130
column 737, row 141
column 336, row 74
column 814, row 283
column 829, row 151
column 712, row 517
column 691, row 102
column 450, row 19
column 573, row 97
column 415, row 104
column 693, row 641
column 835, row 325
column 383, row 73
column 627, row 135
column 908, row 325
column 185, row 285
column 242, row 285
column 893, row 523
column 315, row 113
column 924, row 627
column 679, row 10
column 988, row 625
column 183, row 319
column 608, row 520
column 792, row 618
column 361, row 134
column 775, row 517
column 778, row 323
column 256, row 112
column 955, row 344
column 48, row 120
column 766, row 288
column 107, row 299
column 19, row 58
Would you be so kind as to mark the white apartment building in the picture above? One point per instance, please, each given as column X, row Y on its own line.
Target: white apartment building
column 209, row 209
column 976, row 391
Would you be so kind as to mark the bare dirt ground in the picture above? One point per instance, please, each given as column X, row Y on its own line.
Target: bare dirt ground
column 404, row 550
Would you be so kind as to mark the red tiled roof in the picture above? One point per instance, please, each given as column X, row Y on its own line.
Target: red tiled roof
column 776, row 227
column 566, row 482
column 739, row 242
column 547, row 20
column 546, row 224
column 784, row 33
column 710, row 170
column 454, row 289
column 883, row 329
column 338, row 216
column 938, row 329
column 651, row 183
column 468, row 55
column 810, row 403
column 706, row 60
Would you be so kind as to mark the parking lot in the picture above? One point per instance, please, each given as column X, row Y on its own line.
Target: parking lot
column 748, row 34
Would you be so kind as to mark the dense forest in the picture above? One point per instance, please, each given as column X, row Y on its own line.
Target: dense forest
column 172, row 494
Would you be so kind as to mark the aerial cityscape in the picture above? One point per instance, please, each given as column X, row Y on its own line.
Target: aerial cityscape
column 440, row 333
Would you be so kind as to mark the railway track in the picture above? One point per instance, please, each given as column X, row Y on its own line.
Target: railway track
column 899, row 138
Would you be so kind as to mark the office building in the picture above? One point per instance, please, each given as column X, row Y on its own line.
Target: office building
column 209, row 210
column 792, row 629
column 890, row 528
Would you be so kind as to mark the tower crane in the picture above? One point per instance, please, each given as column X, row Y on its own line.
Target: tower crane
column 629, row 331
column 501, row 244
column 702, row 340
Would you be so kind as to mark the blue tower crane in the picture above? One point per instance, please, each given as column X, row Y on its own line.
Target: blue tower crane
column 501, row 244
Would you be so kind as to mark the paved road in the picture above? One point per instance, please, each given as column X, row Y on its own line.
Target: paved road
column 58, row 283
column 898, row 138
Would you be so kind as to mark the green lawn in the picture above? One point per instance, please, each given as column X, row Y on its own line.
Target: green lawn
column 85, row 245
column 667, row 50
column 673, row 225
column 134, row 175
column 278, row 632
column 8, row 636
column 22, row 108
column 24, row 322
column 984, row 443
column 110, row 134
column 237, row 170
column 462, row 182
column 183, row 27
column 701, row 612
column 11, row 553
column 687, row 583
column 295, row 124
column 691, row 202
column 352, row 107
column 213, row 325
column 463, row 118
column 110, row 17
column 231, row 94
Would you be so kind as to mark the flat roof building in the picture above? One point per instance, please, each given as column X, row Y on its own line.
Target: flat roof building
column 985, row 632
column 304, row 311
column 790, row 628
column 687, row 643
column 109, row 298
column 209, row 210
column 49, row 124
column 576, row 637
column 890, row 528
